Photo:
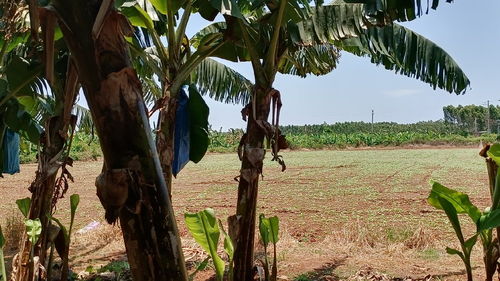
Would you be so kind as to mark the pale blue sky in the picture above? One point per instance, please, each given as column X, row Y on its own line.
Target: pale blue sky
column 468, row 30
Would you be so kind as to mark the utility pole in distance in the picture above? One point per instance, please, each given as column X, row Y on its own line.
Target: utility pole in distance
column 373, row 113
column 488, row 116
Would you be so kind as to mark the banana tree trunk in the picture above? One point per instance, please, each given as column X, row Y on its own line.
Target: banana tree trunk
column 42, row 190
column 243, row 224
column 51, row 158
column 131, row 187
column 165, row 140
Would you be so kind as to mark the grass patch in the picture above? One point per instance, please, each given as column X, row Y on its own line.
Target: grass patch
column 429, row 254
column 395, row 235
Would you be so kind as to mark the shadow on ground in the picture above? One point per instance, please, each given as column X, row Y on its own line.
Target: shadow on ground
column 323, row 273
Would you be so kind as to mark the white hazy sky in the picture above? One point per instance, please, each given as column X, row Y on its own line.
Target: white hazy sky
column 468, row 30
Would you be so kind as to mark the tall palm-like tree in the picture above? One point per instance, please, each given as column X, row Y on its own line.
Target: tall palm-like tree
column 28, row 81
column 116, row 198
column 290, row 36
column 131, row 186
column 178, row 64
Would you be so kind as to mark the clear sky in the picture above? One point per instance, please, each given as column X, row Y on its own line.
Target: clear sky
column 468, row 30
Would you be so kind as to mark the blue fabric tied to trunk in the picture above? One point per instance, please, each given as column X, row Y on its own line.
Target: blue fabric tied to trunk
column 10, row 152
column 181, row 134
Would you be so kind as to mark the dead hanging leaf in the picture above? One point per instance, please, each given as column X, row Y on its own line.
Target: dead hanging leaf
column 277, row 139
column 484, row 151
column 279, row 143
column 246, row 111
column 241, row 145
column 62, row 182
column 282, row 142
column 280, row 161
column 113, row 191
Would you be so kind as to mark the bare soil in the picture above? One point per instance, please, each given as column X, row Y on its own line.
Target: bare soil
column 343, row 214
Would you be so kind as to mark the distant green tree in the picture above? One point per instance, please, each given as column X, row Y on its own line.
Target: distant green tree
column 473, row 118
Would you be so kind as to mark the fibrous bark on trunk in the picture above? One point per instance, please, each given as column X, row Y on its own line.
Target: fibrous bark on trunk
column 42, row 190
column 165, row 139
column 131, row 186
column 242, row 225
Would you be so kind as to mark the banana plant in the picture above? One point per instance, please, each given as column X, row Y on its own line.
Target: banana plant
column 205, row 229
column 176, row 64
column 269, row 233
column 19, row 79
column 66, row 232
column 42, row 86
column 295, row 37
column 34, row 229
column 492, row 250
column 33, row 226
column 19, row 85
column 453, row 203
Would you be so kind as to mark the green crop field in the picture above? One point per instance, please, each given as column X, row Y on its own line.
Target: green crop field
column 361, row 134
column 340, row 211
column 324, row 136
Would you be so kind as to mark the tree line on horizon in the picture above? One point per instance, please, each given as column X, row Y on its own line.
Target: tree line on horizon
column 474, row 118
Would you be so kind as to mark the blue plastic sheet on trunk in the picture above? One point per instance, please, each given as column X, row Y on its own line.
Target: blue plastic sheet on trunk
column 181, row 134
column 10, row 152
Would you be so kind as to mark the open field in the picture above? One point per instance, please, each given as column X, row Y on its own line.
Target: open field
column 340, row 211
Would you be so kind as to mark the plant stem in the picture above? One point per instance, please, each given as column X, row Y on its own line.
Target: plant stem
column 274, row 273
column 181, row 29
column 271, row 54
column 258, row 69
column 51, row 258
column 171, row 36
column 2, row 266
column 266, row 265
column 2, row 52
column 468, row 270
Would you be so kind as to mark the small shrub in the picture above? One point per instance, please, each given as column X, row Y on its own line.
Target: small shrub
column 14, row 226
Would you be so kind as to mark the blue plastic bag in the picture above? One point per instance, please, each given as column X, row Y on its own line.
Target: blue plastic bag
column 181, row 134
column 10, row 152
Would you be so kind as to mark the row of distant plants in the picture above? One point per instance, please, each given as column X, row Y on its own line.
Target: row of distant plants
column 339, row 135
column 424, row 127
column 84, row 147
column 360, row 134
